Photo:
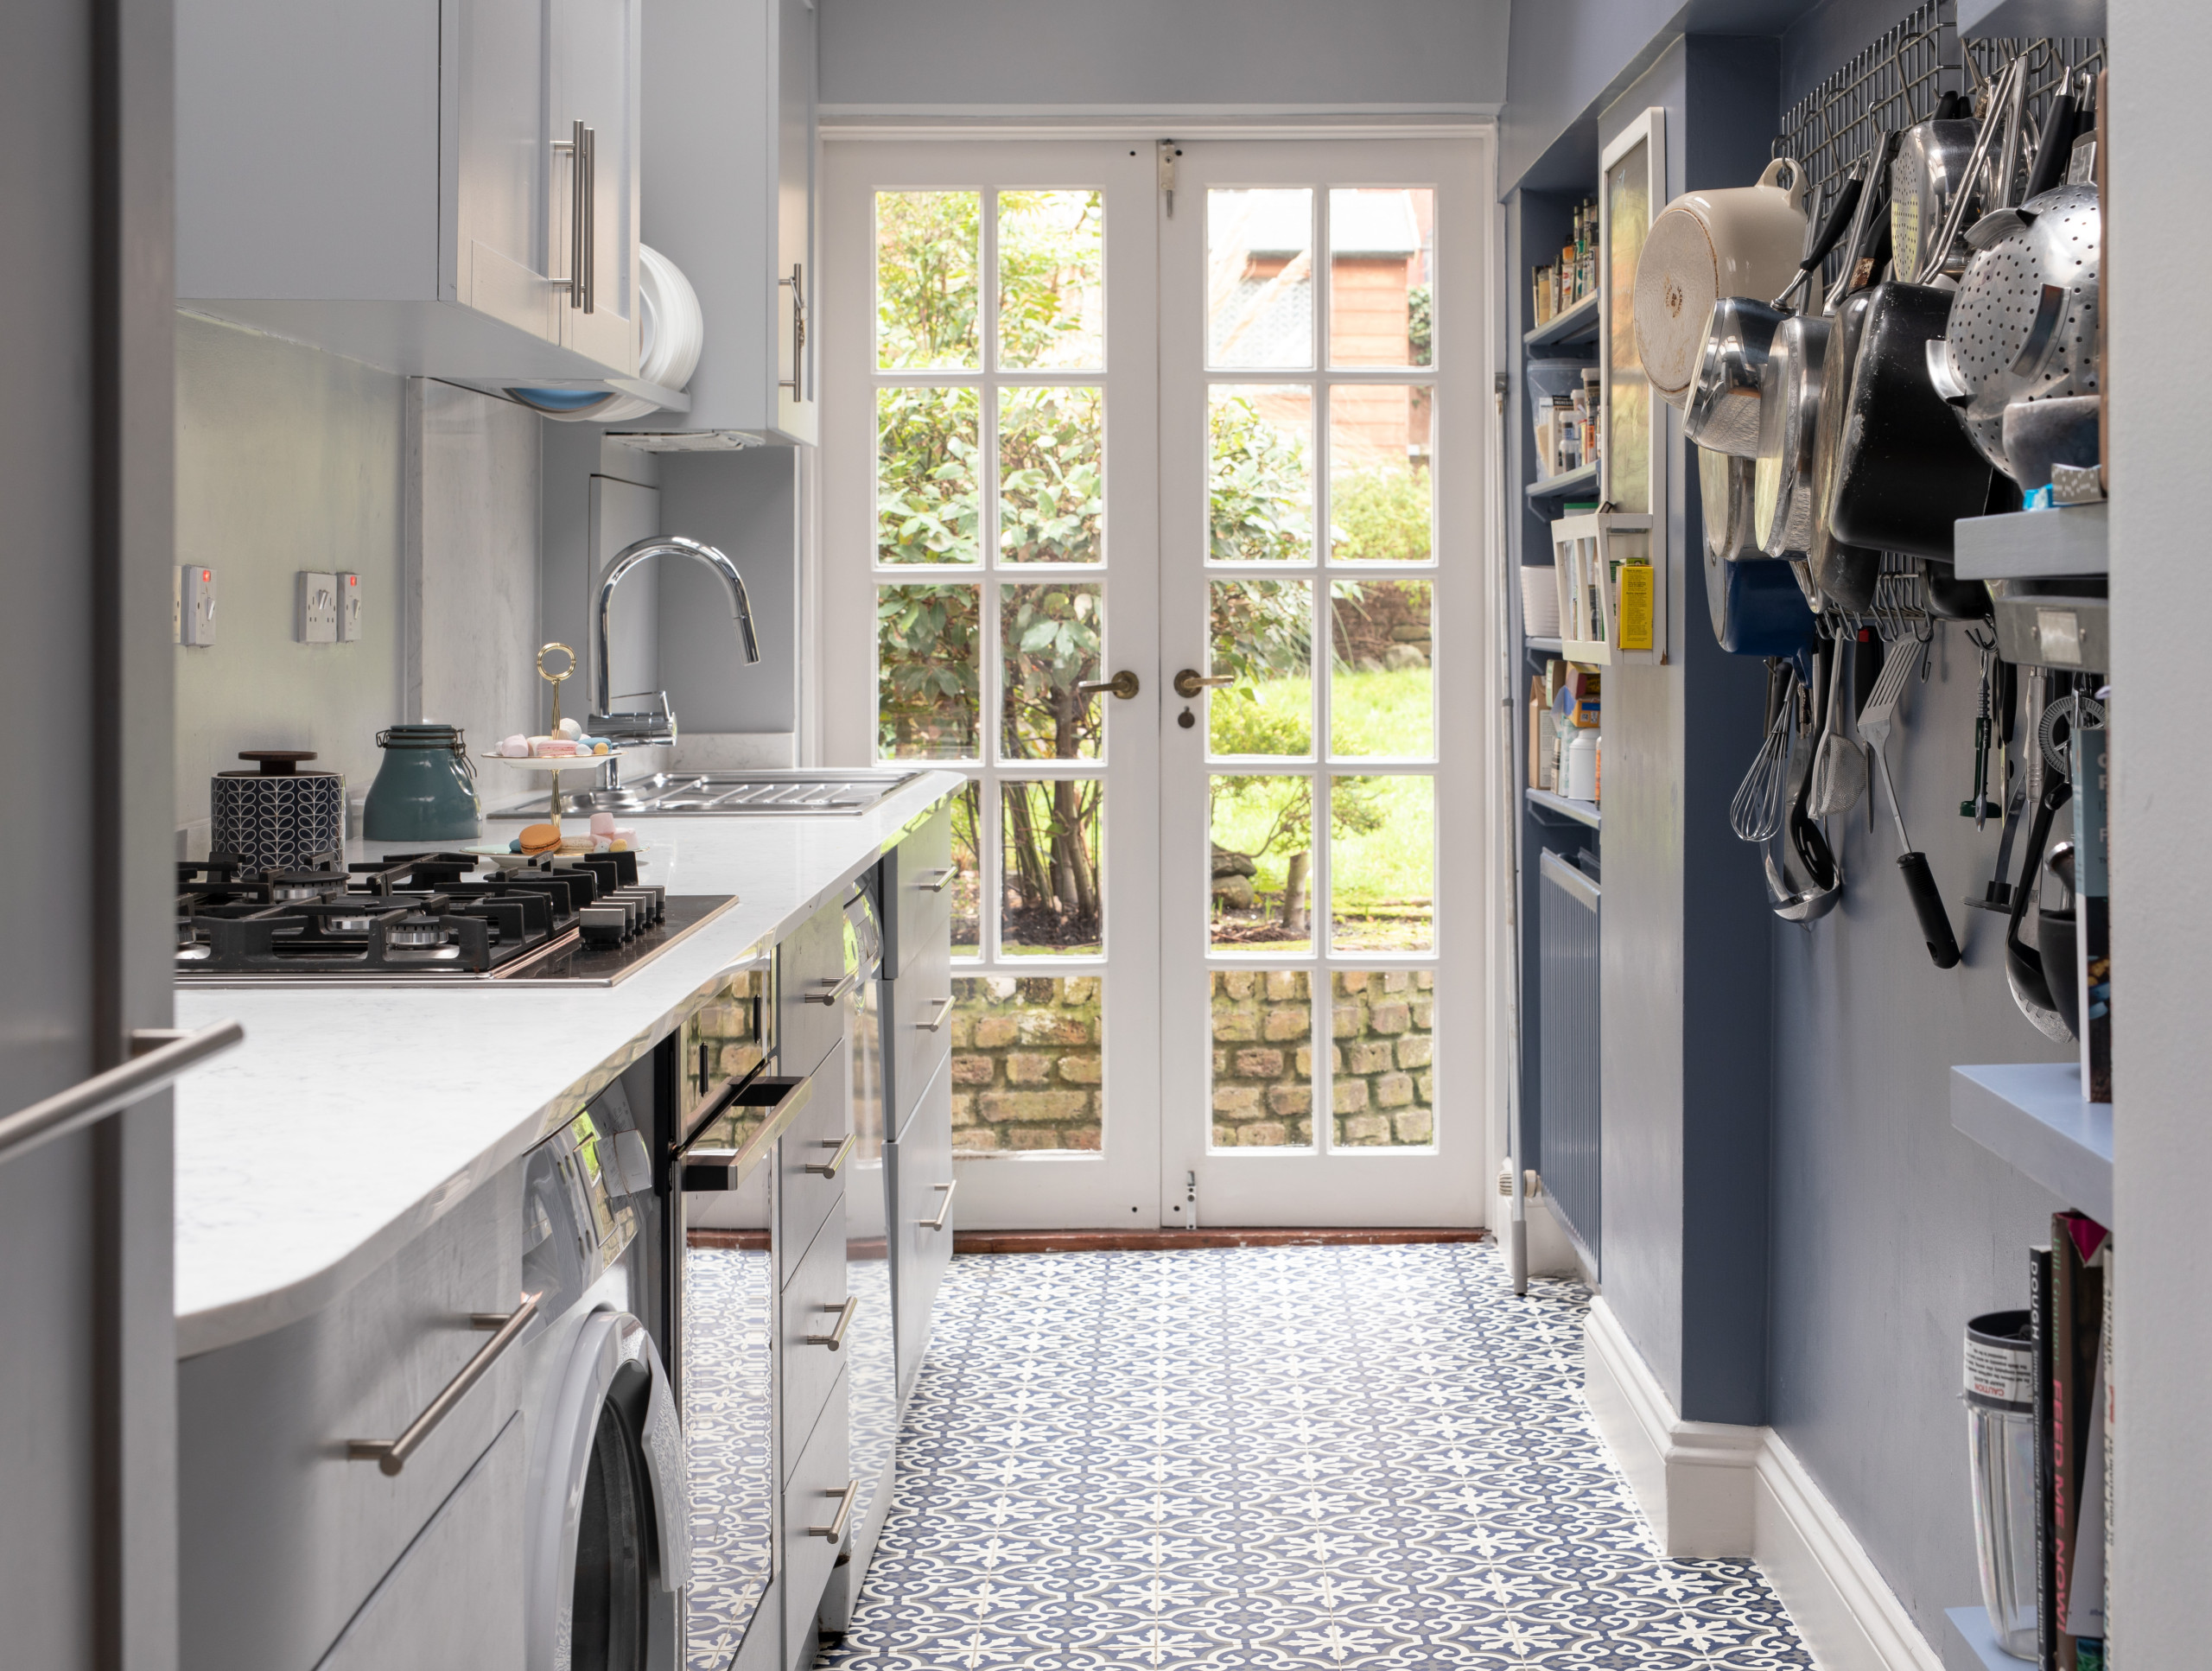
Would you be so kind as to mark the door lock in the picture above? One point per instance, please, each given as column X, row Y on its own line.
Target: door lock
column 1122, row 684
column 1190, row 681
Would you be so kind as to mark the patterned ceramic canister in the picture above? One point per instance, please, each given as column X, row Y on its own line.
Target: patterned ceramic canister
column 278, row 817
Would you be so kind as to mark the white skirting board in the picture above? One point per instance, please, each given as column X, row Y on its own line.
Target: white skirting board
column 1716, row 1490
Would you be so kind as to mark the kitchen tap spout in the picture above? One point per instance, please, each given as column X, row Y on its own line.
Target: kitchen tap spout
column 669, row 545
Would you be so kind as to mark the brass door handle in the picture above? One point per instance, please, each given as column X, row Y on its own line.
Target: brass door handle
column 1190, row 681
column 1122, row 684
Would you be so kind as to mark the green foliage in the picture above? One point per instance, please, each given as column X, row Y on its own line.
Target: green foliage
column 928, row 461
column 1051, row 256
column 1050, row 635
column 1419, row 324
column 1259, row 504
column 927, row 698
column 1051, row 486
column 1381, row 515
column 928, row 251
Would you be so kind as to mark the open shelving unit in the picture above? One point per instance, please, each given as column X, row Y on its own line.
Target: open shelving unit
column 2031, row 1115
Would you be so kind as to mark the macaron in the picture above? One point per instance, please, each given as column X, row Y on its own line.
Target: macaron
column 537, row 838
column 570, row 730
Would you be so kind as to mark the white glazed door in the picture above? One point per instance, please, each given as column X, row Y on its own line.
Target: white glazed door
column 1323, row 421
column 990, row 522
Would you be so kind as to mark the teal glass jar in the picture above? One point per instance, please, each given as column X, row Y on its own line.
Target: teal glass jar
column 425, row 790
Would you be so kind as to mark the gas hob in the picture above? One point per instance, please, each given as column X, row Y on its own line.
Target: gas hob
column 427, row 918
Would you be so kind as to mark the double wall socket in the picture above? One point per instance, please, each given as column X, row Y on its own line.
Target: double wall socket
column 318, row 613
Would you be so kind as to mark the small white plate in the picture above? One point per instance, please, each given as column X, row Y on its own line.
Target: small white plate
column 553, row 762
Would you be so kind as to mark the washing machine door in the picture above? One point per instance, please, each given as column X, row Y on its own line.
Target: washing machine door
column 609, row 1510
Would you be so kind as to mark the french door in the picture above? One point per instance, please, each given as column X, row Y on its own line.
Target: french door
column 1133, row 515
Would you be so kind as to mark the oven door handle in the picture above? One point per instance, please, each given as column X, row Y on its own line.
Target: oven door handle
column 699, row 1167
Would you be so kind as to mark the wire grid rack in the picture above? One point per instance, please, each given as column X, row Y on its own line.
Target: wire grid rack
column 1896, row 79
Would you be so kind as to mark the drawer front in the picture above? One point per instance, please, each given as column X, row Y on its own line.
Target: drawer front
column 804, row 1198
column 807, row 1368
column 920, row 1163
column 919, row 1016
column 917, row 889
column 812, row 1499
column 809, row 964
column 287, row 1535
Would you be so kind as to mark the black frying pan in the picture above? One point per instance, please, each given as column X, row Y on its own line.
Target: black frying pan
column 2023, row 962
column 1906, row 470
column 1843, row 572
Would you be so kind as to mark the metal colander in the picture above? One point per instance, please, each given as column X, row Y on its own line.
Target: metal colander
column 2024, row 324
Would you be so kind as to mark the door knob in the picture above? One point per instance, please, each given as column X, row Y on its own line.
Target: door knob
column 1190, row 681
column 1122, row 684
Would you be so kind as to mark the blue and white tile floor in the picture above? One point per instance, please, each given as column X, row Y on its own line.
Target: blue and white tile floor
column 1272, row 1460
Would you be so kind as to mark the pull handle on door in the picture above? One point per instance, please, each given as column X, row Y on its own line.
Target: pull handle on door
column 1122, row 684
column 1190, row 681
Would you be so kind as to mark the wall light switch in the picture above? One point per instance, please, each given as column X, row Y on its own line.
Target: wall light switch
column 349, row 609
column 318, row 620
column 197, row 605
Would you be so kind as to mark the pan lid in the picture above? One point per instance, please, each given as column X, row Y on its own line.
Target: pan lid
column 276, row 763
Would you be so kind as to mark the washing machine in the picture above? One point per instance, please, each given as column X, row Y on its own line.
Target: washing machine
column 608, row 1508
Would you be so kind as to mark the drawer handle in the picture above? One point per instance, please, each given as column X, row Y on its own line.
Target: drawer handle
column 944, row 1207
column 835, row 1531
column 940, row 880
column 833, row 994
column 836, row 1163
column 705, row 1169
column 391, row 1454
column 943, row 1009
column 835, row 1340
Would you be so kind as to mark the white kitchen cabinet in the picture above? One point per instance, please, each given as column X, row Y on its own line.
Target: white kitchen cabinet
column 729, row 130
column 399, row 182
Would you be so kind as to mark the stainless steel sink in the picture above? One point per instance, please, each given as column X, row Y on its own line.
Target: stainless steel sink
column 762, row 793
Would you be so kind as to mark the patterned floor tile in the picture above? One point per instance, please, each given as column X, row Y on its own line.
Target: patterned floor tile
column 1275, row 1459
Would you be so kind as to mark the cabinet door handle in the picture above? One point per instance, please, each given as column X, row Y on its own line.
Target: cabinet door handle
column 391, row 1454
column 836, row 1163
column 578, row 146
column 835, row 1531
column 699, row 1167
column 939, row 880
column 937, row 1022
column 588, row 170
column 831, row 994
column 797, row 381
column 158, row 1055
column 835, row 1338
column 944, row 1207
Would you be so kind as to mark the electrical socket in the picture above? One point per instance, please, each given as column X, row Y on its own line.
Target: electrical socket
column 318, row 613
column 349, row 609
column 196, row 605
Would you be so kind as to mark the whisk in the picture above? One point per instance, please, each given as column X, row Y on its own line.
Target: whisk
column 1764, row 795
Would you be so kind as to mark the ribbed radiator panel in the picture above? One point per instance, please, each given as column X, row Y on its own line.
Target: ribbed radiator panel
column 1567, row 972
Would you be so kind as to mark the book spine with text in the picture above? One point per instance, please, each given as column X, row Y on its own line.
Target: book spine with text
column 2039, row 1282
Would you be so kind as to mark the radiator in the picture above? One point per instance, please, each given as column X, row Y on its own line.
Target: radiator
column 1567, row 976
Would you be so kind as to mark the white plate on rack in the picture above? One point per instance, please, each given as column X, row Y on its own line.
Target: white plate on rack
column 553, row 762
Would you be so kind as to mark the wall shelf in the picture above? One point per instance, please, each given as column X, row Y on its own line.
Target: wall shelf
column 2034, row 544
column 1559, row 486
column 1582, row 812
column 1543, row 646
column 1970, row 1628
column 2031, row 1115
column 1578, row 324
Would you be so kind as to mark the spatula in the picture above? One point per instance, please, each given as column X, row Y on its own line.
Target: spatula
column 1919, row 881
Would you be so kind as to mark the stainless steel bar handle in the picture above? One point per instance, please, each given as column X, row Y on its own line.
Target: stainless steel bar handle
column 1190, row 681
column 588, row 172
column 574, row 145
column 835, row 1531
column 944, row 1207
column 391, row 1454
column 835, row 1338
column 797, row 381
column 1124, row 685
column 836, row 1163
column 939, row 880
column 937, row 1022
column 159, row 1055
column 831, row 994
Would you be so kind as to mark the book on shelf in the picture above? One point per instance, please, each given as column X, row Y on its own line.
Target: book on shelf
column 2040, row 1262
column 2076, row 1289
column 2093, row 910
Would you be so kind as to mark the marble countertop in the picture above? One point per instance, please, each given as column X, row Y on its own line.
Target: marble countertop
column 350, row 1119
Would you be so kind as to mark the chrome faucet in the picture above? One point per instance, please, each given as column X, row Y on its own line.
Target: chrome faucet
column 657, row 724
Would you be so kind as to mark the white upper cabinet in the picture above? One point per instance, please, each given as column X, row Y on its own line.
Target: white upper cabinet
column 729, row 127
column 402, row 182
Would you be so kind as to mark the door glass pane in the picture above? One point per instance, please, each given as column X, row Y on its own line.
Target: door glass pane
column 1050, row 637
column 1262, row 632
column 928, row 501
column 1262, row 1059
column 1260, row 278
column 1382, row 244
column 1381, row 691
column 967, row 885
column 1053, row 892
column 1051, row 281
column 1262, row 854
column 1382, row 864
column 928, row 254
column 929, row 672
column 1379, row 499
column 1051, row 476
column 1028, row 1062
column 1260, row 473
column 1383, row 1057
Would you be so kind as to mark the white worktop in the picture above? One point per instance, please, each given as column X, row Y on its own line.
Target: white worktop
column 350, row 1119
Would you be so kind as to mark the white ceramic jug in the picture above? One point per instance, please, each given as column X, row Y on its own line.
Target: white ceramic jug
column 1740, row 240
